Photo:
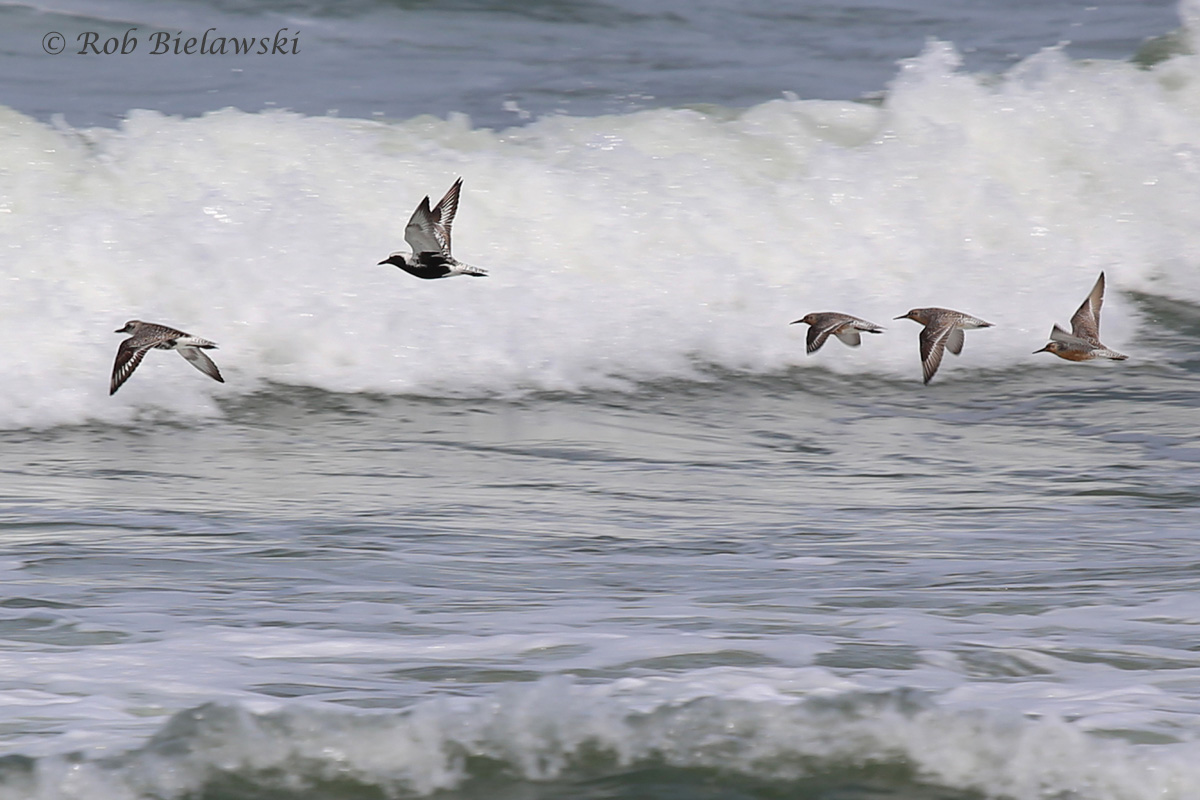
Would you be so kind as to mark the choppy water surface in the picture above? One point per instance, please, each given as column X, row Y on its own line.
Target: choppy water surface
column 504, row 62
column 782, row 580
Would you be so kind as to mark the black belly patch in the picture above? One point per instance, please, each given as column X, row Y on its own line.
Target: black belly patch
column 423, row 265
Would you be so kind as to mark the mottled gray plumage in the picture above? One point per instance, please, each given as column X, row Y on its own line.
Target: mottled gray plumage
column 146, row 336
column 823, row 324
column 943, row 331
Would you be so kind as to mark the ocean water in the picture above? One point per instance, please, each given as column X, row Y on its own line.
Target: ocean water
column 595, row 526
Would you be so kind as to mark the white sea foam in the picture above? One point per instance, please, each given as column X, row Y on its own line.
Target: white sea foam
column 621, row 248
column 555, row 728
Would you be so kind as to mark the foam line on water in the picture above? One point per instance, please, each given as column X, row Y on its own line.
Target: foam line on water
column 622, row 248
column 554, row 729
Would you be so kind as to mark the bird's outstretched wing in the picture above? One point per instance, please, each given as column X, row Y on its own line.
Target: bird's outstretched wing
column 933, row 345
column 443, row 215
column 129, row 354
column 419, row 230
column 195, row 356
column 428, row 230
column 1086, row 322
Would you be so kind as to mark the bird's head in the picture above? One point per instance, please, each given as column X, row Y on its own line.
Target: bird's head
column 396, row 260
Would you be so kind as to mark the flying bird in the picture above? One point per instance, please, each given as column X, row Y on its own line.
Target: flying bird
column 1083, row 342
column 146, row 336
column 428, row 236
column 824, row 324
column 943, row 331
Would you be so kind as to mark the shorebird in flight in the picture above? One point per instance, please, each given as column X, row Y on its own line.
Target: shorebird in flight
column 1083, row 342
column 823, row 324
column 428, row 234
column 146, row 336
column 943, row 331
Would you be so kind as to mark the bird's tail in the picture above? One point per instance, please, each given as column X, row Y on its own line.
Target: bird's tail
column 467, row 269
column 195, row 341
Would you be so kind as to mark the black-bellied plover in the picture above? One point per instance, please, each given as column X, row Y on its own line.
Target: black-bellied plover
column 1083, row 342
column 943, row 331
column 145, row 336
column 823, row 324
column 428, row 234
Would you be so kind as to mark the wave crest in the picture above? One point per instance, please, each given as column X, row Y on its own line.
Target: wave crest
column 622, row 248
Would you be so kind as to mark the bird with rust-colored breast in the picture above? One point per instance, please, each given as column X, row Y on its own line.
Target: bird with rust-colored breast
column 1083, row 342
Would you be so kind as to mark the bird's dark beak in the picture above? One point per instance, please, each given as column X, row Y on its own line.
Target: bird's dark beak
column 1043, row 350
column 902, row 316
column 119, row 330
column 793, row 322
column 381, row 263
